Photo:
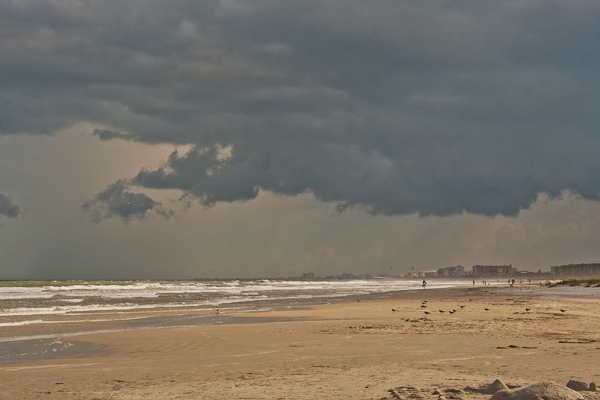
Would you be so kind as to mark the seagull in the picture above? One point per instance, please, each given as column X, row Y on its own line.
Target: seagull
column 527, row 309
column 427, row 313
column 462, row 306
column 423, row 306
column 394, row 310
column 452, row 311
column 562, row 311
column 486, row 309
column 442, row 311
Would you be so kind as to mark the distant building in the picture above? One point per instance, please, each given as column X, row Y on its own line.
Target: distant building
column 308, row 275
column 428, row 274
column 576, row 269
column 347, row 276
column 459, row 270
column 493, row 270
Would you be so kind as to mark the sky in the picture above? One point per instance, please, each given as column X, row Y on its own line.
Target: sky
column 252, row 139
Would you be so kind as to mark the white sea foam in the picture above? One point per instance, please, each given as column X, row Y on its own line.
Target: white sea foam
column 13, row 293
column 21, row 323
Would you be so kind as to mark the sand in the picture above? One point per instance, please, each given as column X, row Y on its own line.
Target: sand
column 349, row 350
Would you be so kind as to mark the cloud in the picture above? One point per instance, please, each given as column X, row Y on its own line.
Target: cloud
column 117, row 201
column 393, row 107
column 7, row 208
column 105, row 134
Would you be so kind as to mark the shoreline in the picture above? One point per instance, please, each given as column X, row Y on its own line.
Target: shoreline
column 40, row 311
column 230, row 314
column 351, row 349
column 90, row 322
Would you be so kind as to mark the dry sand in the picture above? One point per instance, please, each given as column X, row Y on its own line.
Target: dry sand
column 350, row 350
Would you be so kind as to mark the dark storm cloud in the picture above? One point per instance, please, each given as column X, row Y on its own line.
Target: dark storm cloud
column 117, row 201
column 394, row 106
column 7, row 208
column 105, row 134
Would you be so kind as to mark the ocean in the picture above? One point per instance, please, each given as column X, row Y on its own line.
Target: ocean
column 34, row 314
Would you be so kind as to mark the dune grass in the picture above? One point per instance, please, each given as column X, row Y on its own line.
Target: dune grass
column 579, row 282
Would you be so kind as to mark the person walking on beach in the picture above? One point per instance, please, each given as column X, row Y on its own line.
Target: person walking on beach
column 424, row 283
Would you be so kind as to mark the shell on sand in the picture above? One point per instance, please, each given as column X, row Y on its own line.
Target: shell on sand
column 546, row 390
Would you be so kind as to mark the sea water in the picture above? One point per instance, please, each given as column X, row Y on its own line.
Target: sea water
column 31, row 309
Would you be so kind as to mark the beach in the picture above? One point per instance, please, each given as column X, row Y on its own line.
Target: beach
column 355, row 349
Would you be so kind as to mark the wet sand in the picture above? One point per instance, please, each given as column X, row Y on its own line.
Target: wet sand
column 351, row 350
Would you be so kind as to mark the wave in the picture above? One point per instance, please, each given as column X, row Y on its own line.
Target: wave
column 85, row 297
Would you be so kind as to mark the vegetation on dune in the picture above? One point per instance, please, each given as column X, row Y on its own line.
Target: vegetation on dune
column 579, row 282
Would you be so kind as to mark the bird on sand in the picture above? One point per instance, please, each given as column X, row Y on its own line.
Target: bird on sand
column 442, row 311
column 452, row 311
column 423, row 306
column 562, row 311
column 394, row 310
column 486, row 309
column 527, row 309
column 462, row 306
column 427, row 313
